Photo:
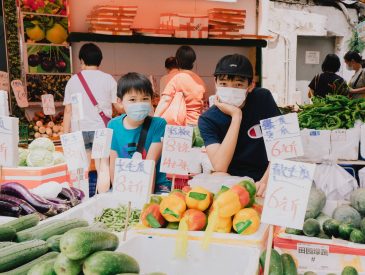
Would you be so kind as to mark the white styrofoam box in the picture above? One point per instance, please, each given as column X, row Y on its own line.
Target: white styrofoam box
column 362, row 177
column 316, row 145
column 345, row 143
column 214, row 183
column 159, row 256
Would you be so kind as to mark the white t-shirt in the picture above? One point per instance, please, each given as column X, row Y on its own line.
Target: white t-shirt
column 104, row 88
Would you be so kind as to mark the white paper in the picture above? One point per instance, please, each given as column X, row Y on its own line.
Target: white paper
column 314, row 257
column 133, row 179
column 9, row 140
column 4, row 103
column 287, row 193
column 48, row 104
column 312, row 57
column 20, row 93
column 282, row 136
column 177, row 143
column 102, row 143
column 4, row 81
column 74, row 151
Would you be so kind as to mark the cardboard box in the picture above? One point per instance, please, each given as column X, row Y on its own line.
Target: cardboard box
column 185, row 25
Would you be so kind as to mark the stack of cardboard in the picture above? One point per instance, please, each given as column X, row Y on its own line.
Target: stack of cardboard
column 226, row 23
column 114, row 20
column 185, row 25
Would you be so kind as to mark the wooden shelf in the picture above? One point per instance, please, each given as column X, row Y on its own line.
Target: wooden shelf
column 93, row 37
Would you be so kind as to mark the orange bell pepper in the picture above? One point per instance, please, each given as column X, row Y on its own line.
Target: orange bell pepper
column 151, row 216
column 195, row 219
column 246, row 221
column 173, row 207
column 198, row 198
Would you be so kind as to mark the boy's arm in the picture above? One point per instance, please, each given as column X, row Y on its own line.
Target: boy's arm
column 113, row 156
column 221, row 154
column 154, row 152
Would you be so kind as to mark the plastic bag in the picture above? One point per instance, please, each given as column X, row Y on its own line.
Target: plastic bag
column 345, row 143
column 334, row 181
column 316, row 145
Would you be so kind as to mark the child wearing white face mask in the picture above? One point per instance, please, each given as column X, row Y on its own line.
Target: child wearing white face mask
column 136, row 134
column 231, row 128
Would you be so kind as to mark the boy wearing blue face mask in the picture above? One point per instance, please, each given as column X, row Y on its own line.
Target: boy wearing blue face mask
column 135, row 93
column 231, row 128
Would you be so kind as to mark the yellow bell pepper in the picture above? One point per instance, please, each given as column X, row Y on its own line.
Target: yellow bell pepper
column 223, row 225
column 246, row 221
column 198, row 198
column 228, row 204
column 173, row 207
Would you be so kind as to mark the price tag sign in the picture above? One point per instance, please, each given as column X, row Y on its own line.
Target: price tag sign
column 133, row 180
column 48, row 104
column 282, row 137
column 77, row 107
column 20, row 93
column 175, row 151
column 313, row 256
column 287, row 193
column 4, row 81
column 4, row 103
column 102, row 143
column 74, row 151
column 9, row 139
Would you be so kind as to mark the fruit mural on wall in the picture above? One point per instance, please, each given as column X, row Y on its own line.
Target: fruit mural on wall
column 44, row 6
column 48, row 59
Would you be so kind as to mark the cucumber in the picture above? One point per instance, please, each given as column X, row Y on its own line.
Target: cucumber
column 78, row 243
column 44, row 231
column 43, row 268
column 362, row 225
column 344, row 230
column 109, row 263
column 54, row 243
column 349, row 270
column 310, row 273
column 5, row 244
column 357, row 236
column 24, row 222
column 25, row 268
column 276, row 265
column 289, row 267
column 311, row 228
column 21, row 253
column 7, row 233
column 293, row 231
column 330, row 227
column 65, row 266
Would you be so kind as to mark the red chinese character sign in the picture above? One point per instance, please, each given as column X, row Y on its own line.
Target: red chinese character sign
column 4, row 81
column 133, row 179
column 282, row 137
column 175, row 152
column 9, row 139
column 287, row 193
column 48, row 104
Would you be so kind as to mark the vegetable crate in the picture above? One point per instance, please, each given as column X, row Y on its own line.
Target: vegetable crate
column 32, row 177
column 321, row 255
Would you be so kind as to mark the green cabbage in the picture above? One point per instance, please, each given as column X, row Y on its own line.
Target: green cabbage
column 23, row 153
column 42, row 143
column 40, row 158
column 58, row 158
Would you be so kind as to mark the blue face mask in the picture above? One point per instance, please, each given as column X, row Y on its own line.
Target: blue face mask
column 138, row 111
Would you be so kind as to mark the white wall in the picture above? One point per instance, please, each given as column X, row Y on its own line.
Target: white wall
column 285, row 23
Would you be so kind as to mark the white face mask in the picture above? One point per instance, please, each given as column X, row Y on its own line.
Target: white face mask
column 232, row 96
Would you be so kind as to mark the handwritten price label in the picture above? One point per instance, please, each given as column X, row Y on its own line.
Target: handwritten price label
column 102, row 143
column 20, row 93
column 316, row 257
column 4, row 81
column 48, row 104
column 133, row 180
column 74, row 151
column 9, row 139
column 282, row 137
column 287, row 193
column 175, row 152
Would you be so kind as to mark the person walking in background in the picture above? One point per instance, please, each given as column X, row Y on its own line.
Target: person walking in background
column 98, row 93
column 328, row 82
column 182, row 99
column 171, row 69
column 353, row 62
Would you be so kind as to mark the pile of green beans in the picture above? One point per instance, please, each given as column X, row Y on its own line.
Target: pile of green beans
column 115, row 218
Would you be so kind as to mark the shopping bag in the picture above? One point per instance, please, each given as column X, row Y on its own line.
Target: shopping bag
column 362, row 142
column 316, row 145
column 175, row 114
column 334, row 181
column 345, row 143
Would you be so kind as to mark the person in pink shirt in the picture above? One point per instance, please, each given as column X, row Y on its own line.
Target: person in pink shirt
column 171, row 70
column 187, row 82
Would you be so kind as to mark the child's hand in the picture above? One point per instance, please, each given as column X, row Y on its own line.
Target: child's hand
column 227, row 108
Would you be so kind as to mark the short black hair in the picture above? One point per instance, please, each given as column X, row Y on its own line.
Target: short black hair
column 353, row 56
column 185, row 57
column 232, row 66
column 90, row 54
column 331, row 63
column 134, row 81
column 170, row 63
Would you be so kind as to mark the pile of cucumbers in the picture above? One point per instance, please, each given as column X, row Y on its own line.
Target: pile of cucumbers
column 57, row 247
column 348, row 270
